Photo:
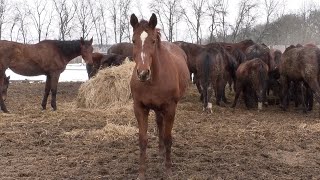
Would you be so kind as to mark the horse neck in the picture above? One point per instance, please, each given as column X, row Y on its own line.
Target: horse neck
column 156, row 69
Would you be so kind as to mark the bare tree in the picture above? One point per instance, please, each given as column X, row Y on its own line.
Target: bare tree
column 270, row 7
column 124, row 26
column 119, row 15
column 4, row 8
column 65, row 14
column 214, row 11
column 22, row 14
column 245, row 19
column 97, row 11
column 83, row 16
column 197, row 8
column 169, row 13
column 41, row 17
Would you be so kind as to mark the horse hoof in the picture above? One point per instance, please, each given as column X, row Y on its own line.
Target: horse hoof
column 141, row 177
column 6, row 111
column 168, row 173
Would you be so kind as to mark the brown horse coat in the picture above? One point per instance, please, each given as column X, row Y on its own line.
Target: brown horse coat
column 124, row 49
column 210, row 76
column 300, row 64
column 158, row 82
column 101, row 61
column 252, row 76
column 48, row 57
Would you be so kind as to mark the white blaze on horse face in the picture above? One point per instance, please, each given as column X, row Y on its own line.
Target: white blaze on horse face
column 143, row 37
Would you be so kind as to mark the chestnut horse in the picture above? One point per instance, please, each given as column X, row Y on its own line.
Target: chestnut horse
column 158, row 82
column 101, row 61
column 48, row 57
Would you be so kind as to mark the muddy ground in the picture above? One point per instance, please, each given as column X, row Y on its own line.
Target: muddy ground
column 75, row 143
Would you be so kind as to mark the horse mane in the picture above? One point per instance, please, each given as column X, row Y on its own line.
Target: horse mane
column 67, row 48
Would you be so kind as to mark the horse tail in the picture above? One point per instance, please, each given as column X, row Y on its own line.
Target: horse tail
column 262, row 81
column 207, row 61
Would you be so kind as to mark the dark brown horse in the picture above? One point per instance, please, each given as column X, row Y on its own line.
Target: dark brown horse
column 48, row 57
column 211, row 73
column 262, row 52
column 158, row 82
column 101, row 61
column 124, row 49
column 252, row 77
column 192, row 51
column 300, row 64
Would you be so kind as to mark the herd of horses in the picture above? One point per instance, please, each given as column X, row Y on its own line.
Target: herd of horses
column 163, row 71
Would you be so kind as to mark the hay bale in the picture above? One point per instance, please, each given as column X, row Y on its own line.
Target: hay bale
column 109, row 88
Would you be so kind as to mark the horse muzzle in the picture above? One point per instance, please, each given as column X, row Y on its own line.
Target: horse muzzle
column 144, row 75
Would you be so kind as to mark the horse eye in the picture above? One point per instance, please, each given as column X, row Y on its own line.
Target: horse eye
column 154, row 41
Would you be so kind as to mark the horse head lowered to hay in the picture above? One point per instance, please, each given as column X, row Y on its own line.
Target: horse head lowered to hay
column 48, row 57
column 158, row 82
column 301, row 64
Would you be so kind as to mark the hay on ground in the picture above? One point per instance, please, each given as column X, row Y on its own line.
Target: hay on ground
column 109, row 88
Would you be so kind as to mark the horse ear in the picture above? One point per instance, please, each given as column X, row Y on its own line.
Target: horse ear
column 153, row 21
column 134, row 21
column 91, row 40
column 82, row 40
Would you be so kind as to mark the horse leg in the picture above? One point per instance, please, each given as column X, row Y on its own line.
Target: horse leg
column 3, row 106
column 303, row 97
column 54, row 85
column 309, row 98
column 238, row 90
column 141, row 115
column 159, row 120
column 167, row 137
column 314, row 85
column 284, row 93
column 46, row 92
column 198, row 85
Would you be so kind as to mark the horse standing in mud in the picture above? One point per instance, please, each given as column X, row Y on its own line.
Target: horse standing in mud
column 300, row 64
column 211, row 72
column 252, row 77
column 48, row 57
column 159, row 80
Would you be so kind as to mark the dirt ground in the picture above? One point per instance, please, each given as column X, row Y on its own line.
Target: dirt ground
column 75, row 143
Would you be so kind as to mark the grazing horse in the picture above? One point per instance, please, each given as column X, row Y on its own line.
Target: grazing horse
column 252, row 76
column 262, row 52
column 191, row 50
column 300, row 64
column 48, row 57
column 210, row 76
column 124, row 49
column 158, row 82
column 101, row 61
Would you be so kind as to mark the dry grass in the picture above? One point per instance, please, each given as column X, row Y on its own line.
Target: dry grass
column 109, row 88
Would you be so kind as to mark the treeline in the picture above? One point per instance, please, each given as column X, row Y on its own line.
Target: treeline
column 196, row 21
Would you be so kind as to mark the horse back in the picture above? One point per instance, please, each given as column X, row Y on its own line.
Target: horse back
column 178, row 59
column 300, row 63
